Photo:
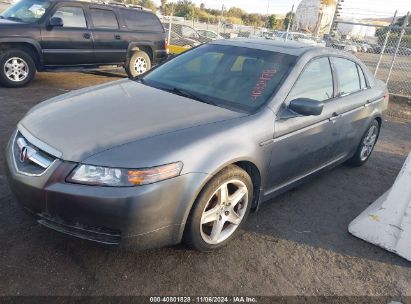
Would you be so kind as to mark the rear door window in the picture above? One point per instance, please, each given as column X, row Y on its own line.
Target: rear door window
column 105, row 19
column 72, row 16
column 315, row 82
column 348, row 79
column 135, row 20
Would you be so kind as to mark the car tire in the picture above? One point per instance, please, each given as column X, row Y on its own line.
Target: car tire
column 220, row 210
column 138, row 64
column 17, row 68
column 366, row 146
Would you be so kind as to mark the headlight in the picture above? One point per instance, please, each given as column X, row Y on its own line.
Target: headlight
column 116, row 177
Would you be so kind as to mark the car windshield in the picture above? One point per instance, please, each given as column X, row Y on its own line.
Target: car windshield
column 27, row 11
column 238, row 78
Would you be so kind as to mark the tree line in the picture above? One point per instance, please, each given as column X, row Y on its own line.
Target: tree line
column 233, row 15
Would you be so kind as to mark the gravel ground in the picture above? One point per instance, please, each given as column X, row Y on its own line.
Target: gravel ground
column 296, row 244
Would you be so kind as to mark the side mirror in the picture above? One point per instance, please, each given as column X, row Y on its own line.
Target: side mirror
column 306, row 106
column 56, row 21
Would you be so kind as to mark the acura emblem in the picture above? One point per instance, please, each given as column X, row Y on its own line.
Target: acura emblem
column 24, row 154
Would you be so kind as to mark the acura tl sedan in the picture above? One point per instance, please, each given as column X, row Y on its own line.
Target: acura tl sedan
column 184, row 152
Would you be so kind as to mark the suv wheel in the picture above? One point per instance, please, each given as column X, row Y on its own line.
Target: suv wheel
column 138, row 64
column 366, row 145
column 17, row 68
column 220, row 210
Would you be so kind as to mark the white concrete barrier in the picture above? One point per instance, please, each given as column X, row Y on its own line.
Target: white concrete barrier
column 387, row 222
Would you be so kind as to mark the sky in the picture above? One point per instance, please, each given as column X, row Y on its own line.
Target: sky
column 353, row 8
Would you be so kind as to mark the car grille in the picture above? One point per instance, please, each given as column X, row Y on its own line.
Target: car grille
column 28, row 159
column 92, row 233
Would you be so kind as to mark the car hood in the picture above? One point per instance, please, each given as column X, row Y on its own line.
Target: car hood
column 83, row 123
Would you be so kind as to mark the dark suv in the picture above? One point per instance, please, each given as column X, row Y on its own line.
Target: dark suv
column 49, row 34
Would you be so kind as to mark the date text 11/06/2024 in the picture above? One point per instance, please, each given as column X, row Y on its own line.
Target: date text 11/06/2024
column 203, row 300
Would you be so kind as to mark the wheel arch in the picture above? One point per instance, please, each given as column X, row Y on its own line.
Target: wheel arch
column 247, row 165
column 145, row 47
column 27, row 45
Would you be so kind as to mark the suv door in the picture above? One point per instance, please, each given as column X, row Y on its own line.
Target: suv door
column 70, row 44
column 305, row 144
column 109, row 43
column 356, row 103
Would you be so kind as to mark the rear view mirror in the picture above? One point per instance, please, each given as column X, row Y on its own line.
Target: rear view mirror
column 306, row 106
column 56, row 21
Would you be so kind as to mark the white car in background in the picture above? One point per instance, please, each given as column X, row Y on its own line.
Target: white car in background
column 210, row 34
column 300, row 37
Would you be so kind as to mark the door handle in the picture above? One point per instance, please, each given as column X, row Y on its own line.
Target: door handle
column 117, row 37
column 87, row 35
column 334, row 117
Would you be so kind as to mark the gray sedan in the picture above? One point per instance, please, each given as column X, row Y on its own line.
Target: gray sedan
column 184, row 152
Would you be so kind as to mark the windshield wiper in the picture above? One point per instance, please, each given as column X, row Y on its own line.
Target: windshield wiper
column 14, row 19
column 189, row 94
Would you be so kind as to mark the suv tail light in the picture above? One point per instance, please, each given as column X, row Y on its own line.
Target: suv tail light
column 166, row 46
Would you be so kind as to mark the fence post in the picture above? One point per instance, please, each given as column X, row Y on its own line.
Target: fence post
column 169, row 25
column 404, row 25
column 385, row 43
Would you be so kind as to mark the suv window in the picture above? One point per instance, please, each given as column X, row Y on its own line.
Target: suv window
column 347, row 72
column 103, row 18
column 139, row 20
column 72, row 16
column 363, row 83
column 315, row 82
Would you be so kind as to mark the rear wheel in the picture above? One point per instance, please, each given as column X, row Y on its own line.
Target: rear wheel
column 17, row 68
column 366, row 145
column 220, row 210
column 138, row 64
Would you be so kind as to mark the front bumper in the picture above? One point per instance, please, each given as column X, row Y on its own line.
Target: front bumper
column 141, row 217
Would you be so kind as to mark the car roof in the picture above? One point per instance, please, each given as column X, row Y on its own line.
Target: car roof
column 285, row 47
column 108, row 4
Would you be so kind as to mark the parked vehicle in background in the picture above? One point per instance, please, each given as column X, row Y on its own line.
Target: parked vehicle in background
column 210, row 34
column 193, row 145
column 295, row 36
column 345, row 47
column 176, row 39
column 186, row 31
column 52, row 34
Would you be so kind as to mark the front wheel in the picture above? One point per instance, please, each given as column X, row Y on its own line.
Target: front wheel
column 138, row 64
column 220, row 210
column 366, row 145
column 17, row 68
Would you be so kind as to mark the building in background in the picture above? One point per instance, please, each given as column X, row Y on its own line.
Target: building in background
column 314, row 16
column 356, row 31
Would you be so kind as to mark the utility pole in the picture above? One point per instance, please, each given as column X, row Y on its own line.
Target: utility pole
column 289, row 23
column 333, row 26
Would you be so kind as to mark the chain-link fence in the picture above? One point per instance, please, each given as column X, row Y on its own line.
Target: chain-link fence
column 386, row 50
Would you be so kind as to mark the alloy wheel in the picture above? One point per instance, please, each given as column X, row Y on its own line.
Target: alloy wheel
column 224, row 212
column 368, row 143
column 16, row 69
column 140, row 65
